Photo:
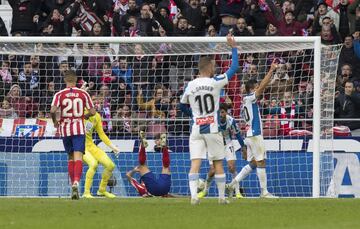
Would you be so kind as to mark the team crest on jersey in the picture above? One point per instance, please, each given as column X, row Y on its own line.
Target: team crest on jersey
column 205, row 120
column 88, row 126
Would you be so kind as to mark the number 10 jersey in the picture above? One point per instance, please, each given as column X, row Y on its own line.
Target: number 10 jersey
column 203, row 95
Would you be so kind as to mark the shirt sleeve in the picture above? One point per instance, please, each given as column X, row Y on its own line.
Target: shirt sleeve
column 88, row 101
column 237, row 132
column 220, row 81
column 99, row 129
column 185, row 96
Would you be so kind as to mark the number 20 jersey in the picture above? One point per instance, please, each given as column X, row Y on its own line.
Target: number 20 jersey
column 203, row 95
column 72, row 102
column 251, row 114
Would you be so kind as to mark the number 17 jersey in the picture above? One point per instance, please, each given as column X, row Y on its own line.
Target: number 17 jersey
column 203, row 95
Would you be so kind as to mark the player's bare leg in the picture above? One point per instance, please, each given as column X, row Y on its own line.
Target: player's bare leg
column 220, row 180
column 261, row 173
column 193, row 180
column 209, row 178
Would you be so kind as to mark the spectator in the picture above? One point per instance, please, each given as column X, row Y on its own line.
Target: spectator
column 347, row 55
column 354, row 15
column 357, row 44
column 6, row 111
column 142, row 65
column 127, row 123
column 241, row 28
column 121, row 23
column 346, row 75
column 344, row 22
column 96, row 61
column 176, row 126
column 106, row 74
column 229, row 11
column 29, row 82
column 329, row 36
column 324, row 11
column 23, row 106
column 3, row 30
column 6, row 78
column 101, row 30
column 347, row 106
column 271, row 30
column 123, row 71
column 256, row 18
column 146, row 25
column 23, row 12
column 47, row 96
column 59, row 75
column 287, row 26
column 193, row 14
column 158, row 105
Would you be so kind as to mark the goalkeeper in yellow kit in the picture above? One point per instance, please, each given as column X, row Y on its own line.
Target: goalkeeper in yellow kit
column 94, row 155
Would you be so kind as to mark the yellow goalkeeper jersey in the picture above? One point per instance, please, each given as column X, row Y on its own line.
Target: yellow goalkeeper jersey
column 94, row 123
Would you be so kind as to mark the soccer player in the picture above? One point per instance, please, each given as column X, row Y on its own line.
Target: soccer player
column 150, row 185
column 72, row 101
column 228, row 128
column 94, row 155
column 203, row 95
column 254, row 141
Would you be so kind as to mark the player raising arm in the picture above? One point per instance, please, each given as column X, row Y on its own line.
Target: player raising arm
column 150, row 185
column 254, row 141
column 71, row 102
column 94, row 155
column 203, row 95
column 228, row 128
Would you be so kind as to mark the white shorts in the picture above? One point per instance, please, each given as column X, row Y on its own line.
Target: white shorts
column 212, row 144
column 255, row 148
column 230, row 154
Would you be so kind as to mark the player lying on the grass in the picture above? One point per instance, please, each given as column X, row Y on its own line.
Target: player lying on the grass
column 94, row 155
column 228, row 128
column 254, row 141
column 71, row 102
column 150, row 185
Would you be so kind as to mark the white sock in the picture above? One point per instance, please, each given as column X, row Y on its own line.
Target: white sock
column 245, row 171
column 237, row 185
column 208, row 182
column 193, row 184
column 261, row 173
column 220, row 180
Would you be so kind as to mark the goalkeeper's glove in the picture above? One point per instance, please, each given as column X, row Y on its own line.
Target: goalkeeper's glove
column 116, row 151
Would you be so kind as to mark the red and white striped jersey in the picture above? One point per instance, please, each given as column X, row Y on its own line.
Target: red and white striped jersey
column 72, row 101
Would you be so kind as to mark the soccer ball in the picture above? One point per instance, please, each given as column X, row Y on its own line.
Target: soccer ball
column 201, row 185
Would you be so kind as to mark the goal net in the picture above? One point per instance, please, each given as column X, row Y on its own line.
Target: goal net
column 136, row 85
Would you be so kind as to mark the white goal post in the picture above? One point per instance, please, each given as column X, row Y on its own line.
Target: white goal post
column 245, row 44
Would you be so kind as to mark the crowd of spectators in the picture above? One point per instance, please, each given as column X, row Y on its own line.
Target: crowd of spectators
column 141, row 92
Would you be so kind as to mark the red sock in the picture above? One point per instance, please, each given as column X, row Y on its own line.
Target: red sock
column 142, row 155
column 71, row 165
column 165, row 157
column 78, row 170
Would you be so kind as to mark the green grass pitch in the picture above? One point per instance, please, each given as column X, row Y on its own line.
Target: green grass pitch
column 178, row 213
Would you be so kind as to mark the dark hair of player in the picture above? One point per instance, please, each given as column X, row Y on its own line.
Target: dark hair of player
column 250, row 84
column 224, row 106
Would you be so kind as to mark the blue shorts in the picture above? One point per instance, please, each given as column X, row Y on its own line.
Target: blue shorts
column 74, row 143
column 157, row 186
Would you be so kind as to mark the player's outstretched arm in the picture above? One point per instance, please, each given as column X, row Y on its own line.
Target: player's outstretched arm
column 53, row 116
column 104, row 138
column 234, row 55
column 91, row 113
column 266, row 79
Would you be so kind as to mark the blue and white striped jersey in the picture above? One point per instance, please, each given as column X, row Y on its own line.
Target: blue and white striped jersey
column 203, row 95
column 251, row 115
column 230, row 128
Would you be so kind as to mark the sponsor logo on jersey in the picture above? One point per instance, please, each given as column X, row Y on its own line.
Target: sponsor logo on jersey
column 205, row 120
